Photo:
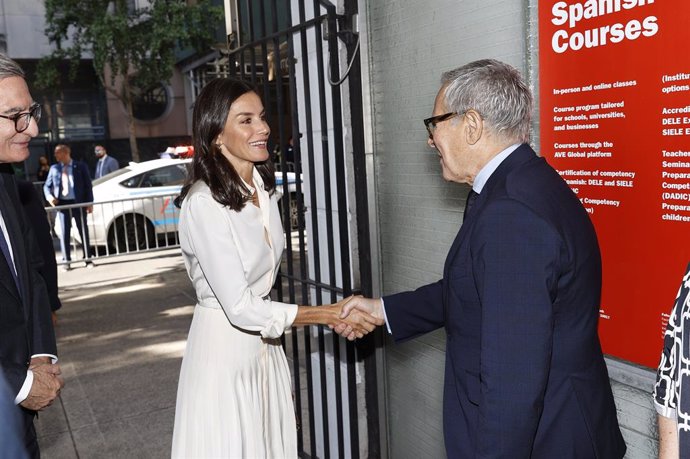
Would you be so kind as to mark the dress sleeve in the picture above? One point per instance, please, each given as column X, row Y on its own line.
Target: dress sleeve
column 215, row 248
column 668, row 375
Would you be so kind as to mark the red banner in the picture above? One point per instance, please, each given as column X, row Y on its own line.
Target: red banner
column 614, row 87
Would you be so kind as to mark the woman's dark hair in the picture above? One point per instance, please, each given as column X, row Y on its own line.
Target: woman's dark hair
column 208, row 164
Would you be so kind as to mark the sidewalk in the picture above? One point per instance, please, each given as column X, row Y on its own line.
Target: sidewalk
column 121, row 333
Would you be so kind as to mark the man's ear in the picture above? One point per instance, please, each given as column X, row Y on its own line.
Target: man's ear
column 474, row 126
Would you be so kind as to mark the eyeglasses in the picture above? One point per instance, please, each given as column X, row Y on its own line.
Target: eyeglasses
column 22, row 120
column 431, row 123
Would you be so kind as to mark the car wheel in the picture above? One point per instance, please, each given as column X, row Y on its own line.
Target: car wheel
column 131, row 233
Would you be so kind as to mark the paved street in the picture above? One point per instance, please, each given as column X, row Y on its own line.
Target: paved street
column 121, row 333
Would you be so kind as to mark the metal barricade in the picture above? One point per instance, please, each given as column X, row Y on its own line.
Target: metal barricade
column 117, row 227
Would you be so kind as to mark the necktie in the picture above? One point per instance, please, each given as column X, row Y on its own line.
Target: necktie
column 6, row 252
column 470, row 202
column 65, row 181
column 99, row 172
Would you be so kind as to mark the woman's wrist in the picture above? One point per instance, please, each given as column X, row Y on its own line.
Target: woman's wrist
column 317, row 315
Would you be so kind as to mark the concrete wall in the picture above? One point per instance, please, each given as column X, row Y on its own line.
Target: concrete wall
column 409, row 43
column 23, row 24
column 172, row 123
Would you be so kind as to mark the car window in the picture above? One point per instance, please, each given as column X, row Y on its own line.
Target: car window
column 165, row 176
column 111, row 175
column 132, row 182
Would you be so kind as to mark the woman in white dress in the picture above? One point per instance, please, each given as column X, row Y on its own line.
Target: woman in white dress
column 234, row 396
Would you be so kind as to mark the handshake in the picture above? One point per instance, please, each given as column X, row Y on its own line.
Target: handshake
column 357, row 316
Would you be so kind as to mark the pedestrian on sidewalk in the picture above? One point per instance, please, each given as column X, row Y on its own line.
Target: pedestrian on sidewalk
column 234, row 397
column 106, row 164
column 69, row 183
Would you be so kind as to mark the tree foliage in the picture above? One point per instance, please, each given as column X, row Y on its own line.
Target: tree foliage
column 125, row 42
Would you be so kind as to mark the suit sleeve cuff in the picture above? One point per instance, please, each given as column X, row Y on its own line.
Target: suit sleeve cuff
column 26, row 387
column 53, row 358
column 385, row 317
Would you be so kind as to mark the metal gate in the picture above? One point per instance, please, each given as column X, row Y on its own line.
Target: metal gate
column 293, row 53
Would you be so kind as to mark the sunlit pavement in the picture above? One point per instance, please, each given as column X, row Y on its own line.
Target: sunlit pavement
column 121, row 333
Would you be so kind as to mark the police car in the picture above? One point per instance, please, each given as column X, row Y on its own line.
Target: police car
column 134, row 206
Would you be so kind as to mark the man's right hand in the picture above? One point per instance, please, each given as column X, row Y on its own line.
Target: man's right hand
column 370, row 306
column 45, row 388
column 54, row 202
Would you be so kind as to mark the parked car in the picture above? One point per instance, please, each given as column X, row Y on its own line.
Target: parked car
column 134, row 206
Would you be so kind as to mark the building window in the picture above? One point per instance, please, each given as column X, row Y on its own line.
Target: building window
column 151, row 103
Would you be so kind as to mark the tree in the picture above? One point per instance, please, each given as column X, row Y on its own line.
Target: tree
column 132, row 49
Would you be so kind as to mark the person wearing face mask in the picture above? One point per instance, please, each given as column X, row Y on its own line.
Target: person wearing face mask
column 234, row 396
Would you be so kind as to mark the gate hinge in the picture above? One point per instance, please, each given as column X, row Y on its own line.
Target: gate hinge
column 348, row 29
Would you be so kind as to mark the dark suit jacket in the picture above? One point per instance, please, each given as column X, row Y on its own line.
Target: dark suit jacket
column 82, row 182
column 38, row 220
column 26, row 327
column 525, row 376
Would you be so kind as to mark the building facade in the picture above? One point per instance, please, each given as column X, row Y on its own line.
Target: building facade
column 82, row 113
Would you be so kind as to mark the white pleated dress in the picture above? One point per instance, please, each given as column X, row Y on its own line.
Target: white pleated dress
column 234, row 397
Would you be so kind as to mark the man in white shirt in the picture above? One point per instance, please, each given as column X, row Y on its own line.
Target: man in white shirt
column 27, row 340
column 106, row 164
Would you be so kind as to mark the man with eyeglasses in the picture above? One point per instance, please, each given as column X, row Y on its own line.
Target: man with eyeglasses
column 106, row 164
column 519, row 299
column 69, row 183
column 27, row 340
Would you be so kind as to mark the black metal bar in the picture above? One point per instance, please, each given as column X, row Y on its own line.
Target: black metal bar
column 343, row 228
column 265, row 84
column 278, row 78
column 286, row 198
column 328, row 204
column 302, row 26
column 314, row 224
column 252, row 50
column 366, row 348
column 317, row 265
column 306, row 281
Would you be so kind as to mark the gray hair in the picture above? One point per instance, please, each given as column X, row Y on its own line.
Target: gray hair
column 496, row 91
column 9, row 68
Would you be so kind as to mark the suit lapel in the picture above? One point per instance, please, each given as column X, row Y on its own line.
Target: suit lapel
column 520, row 156
column 14, row 232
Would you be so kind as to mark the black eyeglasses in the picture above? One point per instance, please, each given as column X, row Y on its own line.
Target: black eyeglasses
column 22, row 120
column 431, row 123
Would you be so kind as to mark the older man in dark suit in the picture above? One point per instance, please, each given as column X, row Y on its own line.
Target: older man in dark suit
column 69, row 183
column 27, row 340
column 519, row 299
